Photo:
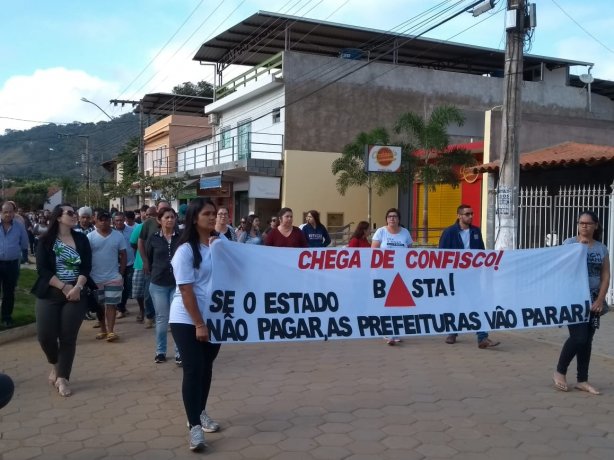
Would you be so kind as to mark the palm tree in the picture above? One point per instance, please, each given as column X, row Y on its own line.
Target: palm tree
column 438, row 163
column 350, row 167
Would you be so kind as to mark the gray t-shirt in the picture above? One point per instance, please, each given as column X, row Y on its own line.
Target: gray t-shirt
column 105, row 255
column 597, row 253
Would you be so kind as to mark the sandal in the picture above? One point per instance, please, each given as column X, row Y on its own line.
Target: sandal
column 101, row 336
column 559, row 383
column 62, row 385
column 112, row 337
column 585, row 386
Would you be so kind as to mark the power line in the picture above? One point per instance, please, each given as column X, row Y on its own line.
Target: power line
column 162, row 49
column 581, row 27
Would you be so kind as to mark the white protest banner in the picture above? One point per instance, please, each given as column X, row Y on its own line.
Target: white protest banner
column 263, row 294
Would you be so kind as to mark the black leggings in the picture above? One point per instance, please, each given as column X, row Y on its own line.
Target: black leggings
column 197, row 360
column 57, row 323
column 579, row 344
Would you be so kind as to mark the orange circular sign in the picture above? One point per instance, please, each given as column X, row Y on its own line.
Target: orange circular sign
column 384, row 156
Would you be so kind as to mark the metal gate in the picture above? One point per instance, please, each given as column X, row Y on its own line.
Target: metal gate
column 547, row 220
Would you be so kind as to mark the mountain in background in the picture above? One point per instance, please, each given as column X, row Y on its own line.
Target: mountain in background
column 52, row 151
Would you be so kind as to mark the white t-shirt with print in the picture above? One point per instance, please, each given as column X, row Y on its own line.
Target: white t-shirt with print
column 393, row 240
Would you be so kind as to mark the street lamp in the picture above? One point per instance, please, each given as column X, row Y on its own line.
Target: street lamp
column 99, row 108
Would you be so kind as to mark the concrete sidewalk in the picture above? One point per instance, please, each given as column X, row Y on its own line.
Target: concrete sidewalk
column 353, row 399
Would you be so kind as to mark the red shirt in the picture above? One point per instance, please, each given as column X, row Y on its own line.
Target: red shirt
column 359, row 243
column 296, row 239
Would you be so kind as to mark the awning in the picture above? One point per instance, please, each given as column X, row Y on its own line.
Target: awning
column 566, row 154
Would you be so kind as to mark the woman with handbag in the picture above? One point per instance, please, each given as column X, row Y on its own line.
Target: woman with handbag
column 63, row 263
column 580, row 339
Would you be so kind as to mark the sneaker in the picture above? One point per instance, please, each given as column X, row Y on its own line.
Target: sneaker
column 160, row 358
column 197, row 438
column 149, row 323
column 120, row 315
column 208, row 424
column 89, row 316
column 389, row 341
column 178, row 361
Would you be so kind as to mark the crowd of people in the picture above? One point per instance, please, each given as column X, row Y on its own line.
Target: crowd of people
column 90, row 261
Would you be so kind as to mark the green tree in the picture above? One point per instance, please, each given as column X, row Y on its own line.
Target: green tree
column 350, row 167
column 32, row 196
column 437, row 164
column 201, row 89
column 69, row 188
column 129, row 159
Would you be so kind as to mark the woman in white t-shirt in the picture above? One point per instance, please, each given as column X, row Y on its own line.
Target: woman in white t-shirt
column 192, row 269
column 389, row 237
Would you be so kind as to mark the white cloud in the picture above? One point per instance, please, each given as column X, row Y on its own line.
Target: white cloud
column 53, row 95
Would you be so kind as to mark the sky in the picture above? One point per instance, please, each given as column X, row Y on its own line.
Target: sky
column 53, row 53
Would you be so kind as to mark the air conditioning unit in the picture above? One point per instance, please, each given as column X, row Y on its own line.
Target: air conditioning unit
column 214, row 119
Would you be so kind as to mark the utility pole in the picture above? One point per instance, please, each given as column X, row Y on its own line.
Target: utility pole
column 507, row 191
column 141, row 152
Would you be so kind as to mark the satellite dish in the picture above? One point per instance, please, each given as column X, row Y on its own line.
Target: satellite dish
column 586, row 78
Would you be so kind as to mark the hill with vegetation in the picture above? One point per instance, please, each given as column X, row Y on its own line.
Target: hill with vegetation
column 53, row 151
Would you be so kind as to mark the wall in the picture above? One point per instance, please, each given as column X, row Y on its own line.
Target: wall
column 544, row 130
column 377, row 94
column 309, row 184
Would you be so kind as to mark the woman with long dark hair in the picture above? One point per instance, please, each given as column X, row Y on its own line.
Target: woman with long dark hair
column 192, row 268
column 252, row 234
column 63, row 262
column 360, row 235
column 315, row 233
column 579, row 343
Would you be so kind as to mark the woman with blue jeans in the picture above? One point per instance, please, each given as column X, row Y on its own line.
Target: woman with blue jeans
column 160, row 248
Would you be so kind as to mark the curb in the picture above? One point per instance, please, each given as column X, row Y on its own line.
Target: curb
column 17, row 333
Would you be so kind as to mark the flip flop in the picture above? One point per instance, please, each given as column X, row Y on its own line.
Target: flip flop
column 560, row 385
column 101, row 336
column 585, row 386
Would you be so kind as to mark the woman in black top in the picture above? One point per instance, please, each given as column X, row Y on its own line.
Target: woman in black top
column 160, row 248
column 63, row 263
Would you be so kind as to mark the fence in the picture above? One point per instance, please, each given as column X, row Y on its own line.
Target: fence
column 547, row 220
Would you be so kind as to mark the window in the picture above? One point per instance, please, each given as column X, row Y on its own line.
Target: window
column 334, row 221
column 276, row 115
column 225, row 140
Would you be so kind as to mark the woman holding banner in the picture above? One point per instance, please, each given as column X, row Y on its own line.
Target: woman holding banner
column 580, row 339
column 389, row 237
column 359, row 238
column 192, row 269
column 286, row 235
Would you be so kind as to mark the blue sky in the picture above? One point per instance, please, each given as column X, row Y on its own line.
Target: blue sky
column 55, row 52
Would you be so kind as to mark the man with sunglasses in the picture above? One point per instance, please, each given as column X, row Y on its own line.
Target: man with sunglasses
column 464, row 235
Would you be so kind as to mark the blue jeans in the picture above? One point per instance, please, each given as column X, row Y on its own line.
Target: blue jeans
column 149, row 306
column 161, row 297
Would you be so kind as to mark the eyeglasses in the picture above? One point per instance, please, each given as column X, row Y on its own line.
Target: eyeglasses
column 586, row 224
column 468, row 214
column 70, row 213
column 392, row 216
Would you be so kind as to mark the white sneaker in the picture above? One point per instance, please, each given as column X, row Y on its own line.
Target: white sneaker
column 209, row 425
column 197, row 438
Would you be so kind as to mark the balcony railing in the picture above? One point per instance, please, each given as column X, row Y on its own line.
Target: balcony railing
column 231, row 149
column 272, row 66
